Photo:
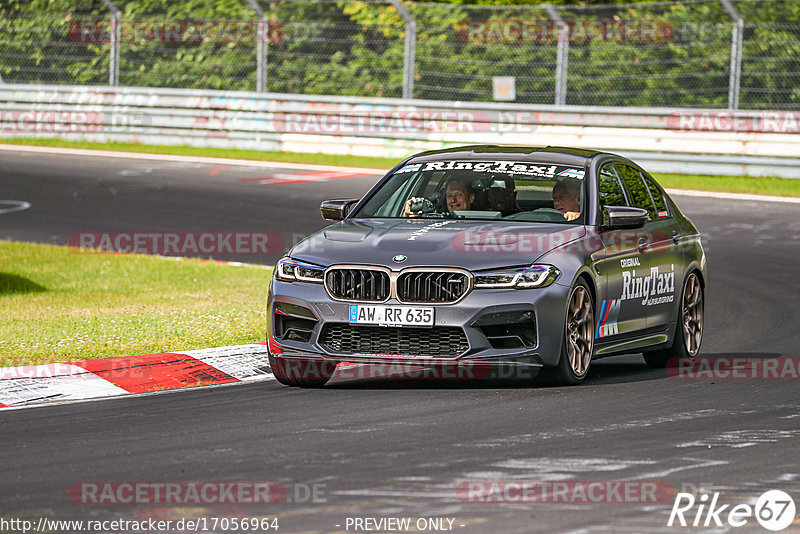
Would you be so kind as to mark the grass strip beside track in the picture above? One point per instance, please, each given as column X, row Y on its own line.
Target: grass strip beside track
column 59, row 304
column 728, row 184
column 231, row 153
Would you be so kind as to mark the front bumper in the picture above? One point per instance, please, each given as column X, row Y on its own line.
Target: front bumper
column 481, row 315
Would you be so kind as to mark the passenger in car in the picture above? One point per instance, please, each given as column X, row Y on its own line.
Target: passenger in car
column 459, row 196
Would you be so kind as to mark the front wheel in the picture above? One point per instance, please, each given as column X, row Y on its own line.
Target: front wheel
column 689, row 331
column 578, row 343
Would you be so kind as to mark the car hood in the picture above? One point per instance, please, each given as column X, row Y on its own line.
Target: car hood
column 470, row 244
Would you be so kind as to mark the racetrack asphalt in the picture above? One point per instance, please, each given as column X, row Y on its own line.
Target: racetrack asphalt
column 399, row 448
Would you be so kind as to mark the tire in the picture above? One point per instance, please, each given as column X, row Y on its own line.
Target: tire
column 578, row 342
column 689, row 330
column 301, row 372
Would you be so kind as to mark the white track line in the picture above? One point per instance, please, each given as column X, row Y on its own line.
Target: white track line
column 190, row 159
column 303, row 166
column 733, row 196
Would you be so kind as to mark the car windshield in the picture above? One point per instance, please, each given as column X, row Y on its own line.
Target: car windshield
column 473, row 189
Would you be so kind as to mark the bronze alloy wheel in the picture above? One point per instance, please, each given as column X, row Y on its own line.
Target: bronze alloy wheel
column 580, row 321
column 692, row 315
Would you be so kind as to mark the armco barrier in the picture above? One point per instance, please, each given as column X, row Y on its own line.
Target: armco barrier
column 754, row 143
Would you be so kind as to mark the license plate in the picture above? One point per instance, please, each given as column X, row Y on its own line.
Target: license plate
column 391, row 315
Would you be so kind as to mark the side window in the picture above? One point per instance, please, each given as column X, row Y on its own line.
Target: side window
column 658, row 197
column 609, row 188
column 640, row 196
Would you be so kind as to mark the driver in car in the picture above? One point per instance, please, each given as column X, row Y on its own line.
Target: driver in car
column 459, row 196
column 567, row 198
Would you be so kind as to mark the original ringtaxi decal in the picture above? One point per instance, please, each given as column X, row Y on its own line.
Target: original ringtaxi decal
column 653, row 288
column 536, row 170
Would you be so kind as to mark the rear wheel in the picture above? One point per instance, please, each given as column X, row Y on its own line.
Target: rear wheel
column 302, row 372
column 578, row 343
column 689, row 331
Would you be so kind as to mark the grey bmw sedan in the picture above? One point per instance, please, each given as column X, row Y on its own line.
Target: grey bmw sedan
column 492, row 261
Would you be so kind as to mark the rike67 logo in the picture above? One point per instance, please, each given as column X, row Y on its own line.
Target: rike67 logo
column 774, row 510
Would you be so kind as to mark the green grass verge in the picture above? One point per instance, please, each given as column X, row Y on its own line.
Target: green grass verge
column 59, row 304
column 729, row 184
column 231, row 153
column 781, row 187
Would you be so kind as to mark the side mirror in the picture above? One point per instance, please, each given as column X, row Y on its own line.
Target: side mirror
column 336, row 210
column 622, row 217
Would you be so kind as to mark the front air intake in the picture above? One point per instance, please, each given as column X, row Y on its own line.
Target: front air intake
column 436, row 342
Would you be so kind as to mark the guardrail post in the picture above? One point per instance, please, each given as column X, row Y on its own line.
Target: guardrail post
column 261, row 47
column 113, row 63
column 562, row 54
column 737, row 38
column 410, row 51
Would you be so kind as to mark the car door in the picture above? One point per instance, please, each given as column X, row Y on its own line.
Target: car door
column 618, row 315
column 652, row 285
column 665, row 248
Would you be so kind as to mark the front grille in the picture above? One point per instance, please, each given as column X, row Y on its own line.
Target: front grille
column 420, row 286
column 358, row 284
column 435, row 342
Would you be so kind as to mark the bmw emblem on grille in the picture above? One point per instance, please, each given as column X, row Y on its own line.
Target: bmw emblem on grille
column 400, row 258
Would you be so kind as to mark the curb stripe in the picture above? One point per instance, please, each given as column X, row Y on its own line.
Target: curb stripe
column 244, row 362
column 22, row 386
column 155, row 372
column 121, row 375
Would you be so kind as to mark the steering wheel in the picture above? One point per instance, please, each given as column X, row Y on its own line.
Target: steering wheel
column 551, row 213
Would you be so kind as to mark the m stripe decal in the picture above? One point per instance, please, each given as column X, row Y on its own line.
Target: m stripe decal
column 603, row 315
column 610, row 308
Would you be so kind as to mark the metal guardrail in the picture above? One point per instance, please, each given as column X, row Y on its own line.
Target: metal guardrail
column 721, row 142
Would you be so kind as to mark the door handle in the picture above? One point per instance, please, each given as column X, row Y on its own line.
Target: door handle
column 676, row 237
column 642, row 245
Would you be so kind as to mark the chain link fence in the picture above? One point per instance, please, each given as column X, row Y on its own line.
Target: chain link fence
column 742, row 54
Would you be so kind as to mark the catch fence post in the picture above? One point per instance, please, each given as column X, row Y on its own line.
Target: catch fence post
column 562, row 54
column 113, row 63
column 737, row 37
column 409, row 51
column 261, row 47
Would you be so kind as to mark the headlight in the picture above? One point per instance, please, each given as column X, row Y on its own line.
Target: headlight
column 519, row 278
column 289, row 270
